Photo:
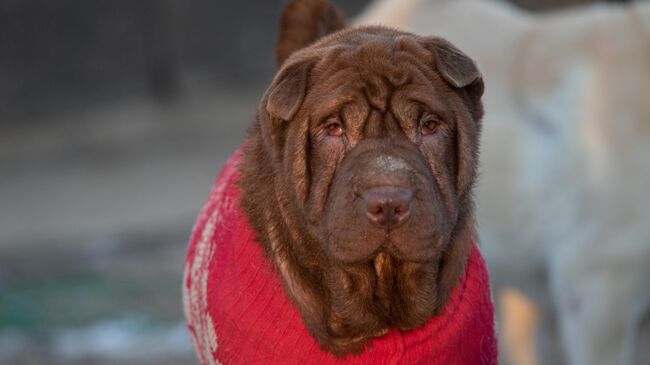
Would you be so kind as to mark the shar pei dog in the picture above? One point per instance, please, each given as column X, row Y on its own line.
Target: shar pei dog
column 343, row 230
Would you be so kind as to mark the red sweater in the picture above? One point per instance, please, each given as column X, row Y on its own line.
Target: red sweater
column 238, row 313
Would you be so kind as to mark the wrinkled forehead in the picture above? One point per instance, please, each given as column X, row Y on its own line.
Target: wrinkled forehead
column 397, row 57
column 372, row 66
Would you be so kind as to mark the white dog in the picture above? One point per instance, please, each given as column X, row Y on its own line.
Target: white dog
column 564, row 196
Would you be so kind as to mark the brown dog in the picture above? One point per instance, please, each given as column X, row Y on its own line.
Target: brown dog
column 357, row 179
column 358, row 174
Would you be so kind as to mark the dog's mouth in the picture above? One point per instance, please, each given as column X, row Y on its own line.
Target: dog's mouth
column 388, row 250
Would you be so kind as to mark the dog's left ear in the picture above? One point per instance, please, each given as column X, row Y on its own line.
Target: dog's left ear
column 460, row 71
column 304, row 22
column 455, row 66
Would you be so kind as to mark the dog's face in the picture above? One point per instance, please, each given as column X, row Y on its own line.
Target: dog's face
column 366, row 144
column 383, row 156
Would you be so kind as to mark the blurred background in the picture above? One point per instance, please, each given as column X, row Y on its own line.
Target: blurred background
column 115, row 117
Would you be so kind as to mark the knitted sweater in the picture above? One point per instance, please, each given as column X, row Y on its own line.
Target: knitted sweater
column 238, row 312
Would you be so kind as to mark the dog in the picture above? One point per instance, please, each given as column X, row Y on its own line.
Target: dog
column 562, row 201
column 343, row 230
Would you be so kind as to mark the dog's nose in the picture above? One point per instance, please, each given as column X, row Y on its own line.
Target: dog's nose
column 387, row 206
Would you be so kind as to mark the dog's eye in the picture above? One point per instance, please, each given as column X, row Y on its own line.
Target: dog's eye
column 430, row 124
column 334, row 128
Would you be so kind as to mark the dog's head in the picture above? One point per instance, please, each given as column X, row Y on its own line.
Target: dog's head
column 359, row 171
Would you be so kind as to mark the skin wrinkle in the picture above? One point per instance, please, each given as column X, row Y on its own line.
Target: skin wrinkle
column 352, row 281
column 300, row 292
column 332, row 95
column 327, row 180
column 355, row 114
column 444, row 187
column 296, row 164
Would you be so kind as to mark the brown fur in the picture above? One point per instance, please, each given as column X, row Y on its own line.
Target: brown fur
column 302, row 188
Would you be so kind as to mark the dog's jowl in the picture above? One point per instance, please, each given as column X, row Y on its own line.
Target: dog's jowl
column 343, row 230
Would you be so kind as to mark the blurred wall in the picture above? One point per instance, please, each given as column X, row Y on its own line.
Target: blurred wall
column 57, row 55
column 68, row 53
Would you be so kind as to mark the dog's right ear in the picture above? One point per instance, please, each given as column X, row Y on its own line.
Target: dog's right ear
column 288, row 89
column 283, row 101
column 303, row 22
